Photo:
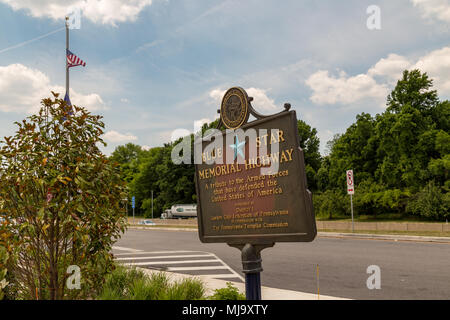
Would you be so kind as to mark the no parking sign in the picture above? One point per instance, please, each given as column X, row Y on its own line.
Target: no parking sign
column 350, row 182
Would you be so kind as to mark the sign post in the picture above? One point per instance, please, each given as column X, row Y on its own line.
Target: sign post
column 351, row 192
column 251, row 184
column 133, row 205
column 126, row 205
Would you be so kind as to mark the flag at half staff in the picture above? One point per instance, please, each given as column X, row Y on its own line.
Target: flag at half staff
column 73, row 60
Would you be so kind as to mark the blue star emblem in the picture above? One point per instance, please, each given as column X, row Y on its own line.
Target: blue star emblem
column 237, row 146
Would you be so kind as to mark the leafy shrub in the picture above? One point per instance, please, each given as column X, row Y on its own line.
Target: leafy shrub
column 430, row 203
column 376, row 199
column 228, row 293
column 3, row 259
column 331, row 204
column 132, row 284
column 66, row 196
column 117, row 283
column 8, row 289
column 187, row 289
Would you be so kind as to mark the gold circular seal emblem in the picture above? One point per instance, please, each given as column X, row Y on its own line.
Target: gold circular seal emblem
column 234, row 108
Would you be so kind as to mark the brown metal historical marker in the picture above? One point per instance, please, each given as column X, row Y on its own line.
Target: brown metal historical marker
column 252, row 199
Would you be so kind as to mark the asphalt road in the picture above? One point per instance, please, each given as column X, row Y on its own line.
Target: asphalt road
column 409, row 270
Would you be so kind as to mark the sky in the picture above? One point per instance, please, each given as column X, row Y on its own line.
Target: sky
column 155, row 68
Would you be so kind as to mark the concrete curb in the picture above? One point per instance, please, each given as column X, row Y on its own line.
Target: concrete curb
column 387, row 237
column 163, row 228
column 391, row 237
column 267, row 293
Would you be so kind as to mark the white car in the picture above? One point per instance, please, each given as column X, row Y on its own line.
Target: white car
column 147, row 222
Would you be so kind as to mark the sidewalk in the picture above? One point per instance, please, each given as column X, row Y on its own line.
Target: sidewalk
column 266, row 292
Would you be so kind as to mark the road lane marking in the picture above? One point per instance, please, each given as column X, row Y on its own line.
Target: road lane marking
column 132, row 259
column 229, row 268
column 164, row 257
column 197, row 268
column 217, row 276
column 153, row 252
column 126, row 249
column 168, row 262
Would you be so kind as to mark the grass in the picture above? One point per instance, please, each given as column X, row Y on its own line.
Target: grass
column 132, row 284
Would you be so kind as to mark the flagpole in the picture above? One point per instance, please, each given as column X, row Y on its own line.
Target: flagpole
column 67, row 63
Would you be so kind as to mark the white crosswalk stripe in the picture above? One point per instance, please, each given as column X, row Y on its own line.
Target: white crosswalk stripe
column 162, row 257
column 181, row 261
column 150, row 263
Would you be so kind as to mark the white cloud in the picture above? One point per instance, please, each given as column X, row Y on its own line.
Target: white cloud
column 114, row 136
column 146, row 148
column 98, row 11
column 217, row 95
column 324, row 137
column 343, row 89
column 437, row 65
column 391, row 67
column 92, row 101
column 22, row 89
column 260, row 99
column 198, row 124
column 347, row 90
column 434, row 9
column 178, row 133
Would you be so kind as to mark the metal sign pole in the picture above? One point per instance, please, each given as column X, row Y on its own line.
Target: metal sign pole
column 152, row 204
column 133, row 205
column 351, row 191
column 351, row 204
column 252, row 267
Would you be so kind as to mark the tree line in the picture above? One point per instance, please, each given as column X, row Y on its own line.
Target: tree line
column 400, row 159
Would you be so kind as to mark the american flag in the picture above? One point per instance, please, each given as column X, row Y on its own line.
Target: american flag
column 73, row 60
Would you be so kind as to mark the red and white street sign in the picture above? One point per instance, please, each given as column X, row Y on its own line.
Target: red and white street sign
column 350, row 182
column 49, row 196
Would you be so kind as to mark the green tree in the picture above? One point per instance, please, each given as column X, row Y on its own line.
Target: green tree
column 146, row 181
column 431, row 203
column 394, row 154
column 128, row 157
column 356, row 150
column 63, row 198
column 309, row 142
column 127, row 153
column 413, row 89
column 407, row 133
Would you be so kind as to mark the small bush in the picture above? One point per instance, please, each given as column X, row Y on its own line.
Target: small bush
column 430, row 203
column 228, row 293
column 331, row 204
column 132, row 284
column 187, row 289
column 8, row 290
column 118, row 283
column 3, row 270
